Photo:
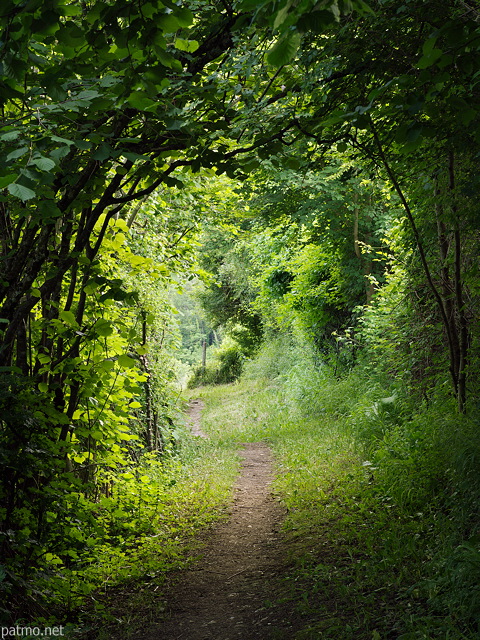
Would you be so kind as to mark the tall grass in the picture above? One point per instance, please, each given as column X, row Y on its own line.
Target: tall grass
column 382, row 496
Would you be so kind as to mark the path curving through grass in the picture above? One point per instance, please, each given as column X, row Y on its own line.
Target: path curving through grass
column 227, row 594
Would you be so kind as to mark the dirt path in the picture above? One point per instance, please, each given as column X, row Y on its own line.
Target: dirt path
column 230, row 593
column 194, row 417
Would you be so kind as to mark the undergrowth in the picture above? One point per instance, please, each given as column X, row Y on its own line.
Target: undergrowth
column 382, row 496
column 144, row 527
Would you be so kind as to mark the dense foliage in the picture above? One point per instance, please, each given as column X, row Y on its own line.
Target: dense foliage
column 322, row 155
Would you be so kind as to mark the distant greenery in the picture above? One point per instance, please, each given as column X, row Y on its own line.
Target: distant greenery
column 225, row 366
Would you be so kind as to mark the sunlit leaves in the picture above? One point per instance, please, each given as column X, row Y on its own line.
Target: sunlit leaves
column 125, row 361
column 103, row 328
column 186, row 45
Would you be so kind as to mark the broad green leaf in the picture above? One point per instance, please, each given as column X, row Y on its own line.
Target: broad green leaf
column 168, row 23
column 61, row 152
column 107, row 365
column 284, row 49
column 184, row 17
column 70, row 10
column 83, row 144
column 429, row 45
column 19, row 191
column 103, row 328
column 68, row 317
column 44, row 164
column 168, row 60
column 70, row 34
column 140, row 100
column 62, row 140
column 121, row 224
column 10, row 136
column 429, row 59
column 149, row 10
column 171, row 124
column 126, row 362
column 282, row 15
column 18, row 153
column 103, row 152
column 8, row 179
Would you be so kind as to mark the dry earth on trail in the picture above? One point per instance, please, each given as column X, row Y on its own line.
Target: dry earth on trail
column 231, row 593
column 194, row 416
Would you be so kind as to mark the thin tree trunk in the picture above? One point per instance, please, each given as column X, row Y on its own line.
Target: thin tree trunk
column 457, row 358
column 462, row 319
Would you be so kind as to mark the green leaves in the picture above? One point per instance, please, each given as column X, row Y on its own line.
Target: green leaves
column 284, row 50
column 186, row 45
column 69, row 318
column 103, row 328
column 42, row 163
column 7, row 179
column 141, row 100
column 126, row 362
column 430, row 58
column 21, row 192
column 17, row 153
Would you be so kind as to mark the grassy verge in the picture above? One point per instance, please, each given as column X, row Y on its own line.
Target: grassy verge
column 369, row 529
column 147, row 528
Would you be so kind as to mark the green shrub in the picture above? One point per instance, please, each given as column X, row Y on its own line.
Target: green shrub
column 226, row 367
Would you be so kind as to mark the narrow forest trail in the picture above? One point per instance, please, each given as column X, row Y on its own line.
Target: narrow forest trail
column 230, row 593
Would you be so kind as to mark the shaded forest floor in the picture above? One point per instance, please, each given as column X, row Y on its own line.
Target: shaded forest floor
column 310, row 546
column 233, row 592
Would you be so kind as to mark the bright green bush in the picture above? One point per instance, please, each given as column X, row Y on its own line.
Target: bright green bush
column 225, row 367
